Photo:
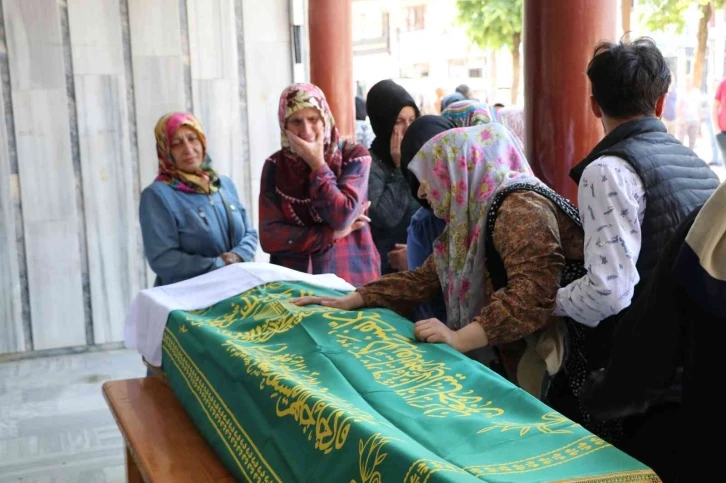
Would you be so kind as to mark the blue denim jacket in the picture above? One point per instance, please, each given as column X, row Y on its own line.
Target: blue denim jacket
column 184, row 233
column 423, row 230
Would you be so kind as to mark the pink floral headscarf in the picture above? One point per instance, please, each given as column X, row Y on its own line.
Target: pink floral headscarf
column 292, row 176
column 205, row 179
column 460, row 171
column 299, row 96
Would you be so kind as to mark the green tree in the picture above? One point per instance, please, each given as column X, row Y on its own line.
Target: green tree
column 494, row 24
column 665, row 15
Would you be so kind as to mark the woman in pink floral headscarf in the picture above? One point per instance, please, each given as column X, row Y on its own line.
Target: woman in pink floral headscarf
column 500, row 259
column 314, row 194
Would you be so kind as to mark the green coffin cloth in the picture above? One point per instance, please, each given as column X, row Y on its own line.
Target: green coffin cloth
column 287, row 393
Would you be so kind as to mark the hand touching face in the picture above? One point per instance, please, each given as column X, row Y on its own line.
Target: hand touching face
column 403, row 121
column 305, row 131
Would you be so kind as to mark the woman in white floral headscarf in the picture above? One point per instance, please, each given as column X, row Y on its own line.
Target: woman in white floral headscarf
column 501, row 257
column 460, row 172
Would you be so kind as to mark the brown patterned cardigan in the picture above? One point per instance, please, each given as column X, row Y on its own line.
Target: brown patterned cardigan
column 533, row 238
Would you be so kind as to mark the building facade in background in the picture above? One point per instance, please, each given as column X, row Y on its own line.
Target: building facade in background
column 420, row 45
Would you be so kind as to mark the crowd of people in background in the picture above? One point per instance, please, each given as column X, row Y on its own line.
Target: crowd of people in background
column 596, row 309
column 692, row 115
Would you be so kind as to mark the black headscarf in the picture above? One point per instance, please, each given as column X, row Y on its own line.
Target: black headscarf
column 419, row 133
column 385, row 101
column 360, row 109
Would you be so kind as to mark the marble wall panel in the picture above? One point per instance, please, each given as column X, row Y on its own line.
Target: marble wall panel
column 108, row 188
column 47, row 181
column 11, row 317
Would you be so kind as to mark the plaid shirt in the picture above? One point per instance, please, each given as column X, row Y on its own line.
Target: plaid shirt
column 312, row 248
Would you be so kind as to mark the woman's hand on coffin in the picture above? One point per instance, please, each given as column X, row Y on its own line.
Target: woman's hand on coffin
column 349, row 302
column 229, row 258
column 433, row 330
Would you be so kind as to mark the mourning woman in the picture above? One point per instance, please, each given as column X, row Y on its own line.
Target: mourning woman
column 192, row 219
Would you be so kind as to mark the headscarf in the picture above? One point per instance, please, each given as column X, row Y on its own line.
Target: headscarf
column 205, row 179
column 464, row 90
column 385, row 101
column 468, row 113
column 292, row 173
column 418, row 134
column 513, row 119
column 701, row 263
column 360, row 109
column 450, row 99
column 461, row 171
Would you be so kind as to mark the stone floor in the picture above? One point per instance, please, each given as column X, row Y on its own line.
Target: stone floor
column 54, row 423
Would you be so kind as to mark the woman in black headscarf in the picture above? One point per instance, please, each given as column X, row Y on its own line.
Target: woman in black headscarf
column 391, row 111
column 425, row 227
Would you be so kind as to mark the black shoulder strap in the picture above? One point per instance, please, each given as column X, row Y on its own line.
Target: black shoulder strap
column 494, row 264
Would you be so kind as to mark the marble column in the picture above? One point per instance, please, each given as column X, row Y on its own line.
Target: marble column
column 559, row 39
column 331, row 58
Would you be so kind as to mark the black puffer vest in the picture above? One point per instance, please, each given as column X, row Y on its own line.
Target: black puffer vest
column 676, row 181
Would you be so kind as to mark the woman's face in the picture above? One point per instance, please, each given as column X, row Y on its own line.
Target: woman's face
column 421, row 192
column 306, row 124
column 405, row 118
column 187, row 150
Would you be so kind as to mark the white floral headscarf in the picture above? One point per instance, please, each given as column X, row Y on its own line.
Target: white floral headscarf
column 460, row 171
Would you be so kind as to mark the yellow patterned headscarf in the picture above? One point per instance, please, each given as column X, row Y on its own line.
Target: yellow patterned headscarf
column 205, row 180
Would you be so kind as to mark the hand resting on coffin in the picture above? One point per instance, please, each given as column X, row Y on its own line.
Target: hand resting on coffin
column 348, row 302
column 470, row 337
column 465, row 339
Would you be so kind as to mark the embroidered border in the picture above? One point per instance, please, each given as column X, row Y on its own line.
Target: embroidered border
column 240, row 446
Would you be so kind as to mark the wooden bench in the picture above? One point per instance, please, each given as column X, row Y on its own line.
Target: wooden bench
column 162, row 443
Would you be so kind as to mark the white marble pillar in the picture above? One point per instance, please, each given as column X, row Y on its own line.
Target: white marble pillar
column 158, row 65
column 12, row 338
column 215, row 86
column 108, row 189
column 47, row 180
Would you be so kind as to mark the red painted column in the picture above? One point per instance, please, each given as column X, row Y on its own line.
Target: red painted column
column 331, row 58
column 559, row 39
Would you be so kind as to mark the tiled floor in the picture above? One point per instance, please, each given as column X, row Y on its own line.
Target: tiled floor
column 54, row 423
